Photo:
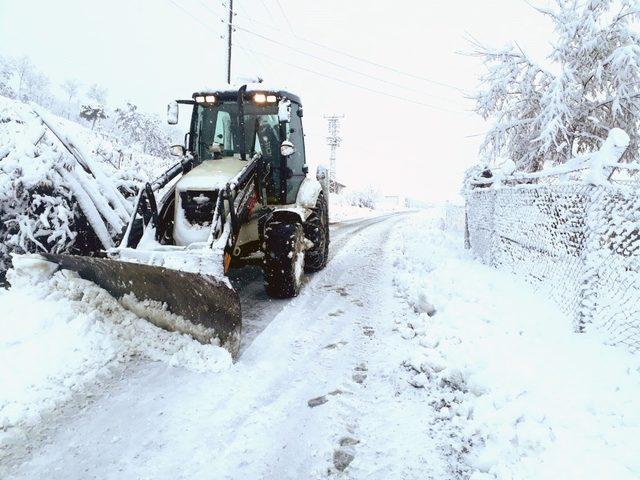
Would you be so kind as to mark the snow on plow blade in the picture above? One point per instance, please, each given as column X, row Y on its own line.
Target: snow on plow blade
column 210, row 309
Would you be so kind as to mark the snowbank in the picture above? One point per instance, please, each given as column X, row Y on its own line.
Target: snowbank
column 344, row 207
column 340, row 210
column 533, row 399
column 58, row 333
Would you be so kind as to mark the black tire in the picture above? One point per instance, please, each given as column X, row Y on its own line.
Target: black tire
column 283, row 264
column 316, row 229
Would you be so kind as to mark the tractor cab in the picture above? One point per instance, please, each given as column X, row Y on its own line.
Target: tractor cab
column 230, row 127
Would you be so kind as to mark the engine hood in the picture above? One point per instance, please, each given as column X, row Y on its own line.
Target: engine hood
column 211, row 174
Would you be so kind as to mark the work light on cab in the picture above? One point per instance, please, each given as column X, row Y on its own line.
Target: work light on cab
column 264, row 98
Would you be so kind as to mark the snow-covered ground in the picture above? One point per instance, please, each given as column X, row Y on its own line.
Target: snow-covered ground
column 341, row 209
column 61, row 333
column 404, row 359
column 533, row 399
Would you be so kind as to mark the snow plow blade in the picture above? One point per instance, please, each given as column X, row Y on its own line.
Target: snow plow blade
column 210, row 309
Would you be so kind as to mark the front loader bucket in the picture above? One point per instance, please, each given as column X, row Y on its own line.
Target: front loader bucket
column 210, row 309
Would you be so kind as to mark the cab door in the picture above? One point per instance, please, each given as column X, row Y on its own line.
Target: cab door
column 296, row 167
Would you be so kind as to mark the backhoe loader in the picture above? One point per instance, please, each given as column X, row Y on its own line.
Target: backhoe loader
column 240, row 194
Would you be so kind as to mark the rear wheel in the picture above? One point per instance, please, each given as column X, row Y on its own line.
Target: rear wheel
column 316, row 229
column 283, row 258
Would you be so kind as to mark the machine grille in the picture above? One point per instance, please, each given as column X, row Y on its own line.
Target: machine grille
column 199, row 205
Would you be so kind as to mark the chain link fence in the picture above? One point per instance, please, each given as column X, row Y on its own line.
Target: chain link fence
column 579, row 243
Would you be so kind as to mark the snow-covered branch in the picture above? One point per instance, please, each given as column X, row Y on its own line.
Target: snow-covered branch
column 548, row 115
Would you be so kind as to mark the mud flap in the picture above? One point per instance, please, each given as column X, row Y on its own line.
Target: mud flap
column 210, row 309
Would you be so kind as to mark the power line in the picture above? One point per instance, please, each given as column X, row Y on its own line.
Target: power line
column 360, row 59
column 329, row 62
column 346, row 82
column 266, row 8
column 284, row 14
column 315, row 72
column 347, row 68
column 193, row 17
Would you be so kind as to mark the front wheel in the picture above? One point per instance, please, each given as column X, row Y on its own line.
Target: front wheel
column 283, row 264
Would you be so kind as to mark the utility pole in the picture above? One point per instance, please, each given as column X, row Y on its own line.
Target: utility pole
column 229, row 39
column 333, row 140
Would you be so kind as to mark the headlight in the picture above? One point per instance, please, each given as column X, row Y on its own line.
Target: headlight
column 271, row 99
column 260, row 98
column 200, row 99
column 210, row 98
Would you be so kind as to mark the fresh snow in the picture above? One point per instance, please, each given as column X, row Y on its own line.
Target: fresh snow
column 533, row 399
column 342, row 208
column 404, row 358
column 46, row 192
column 60, row 333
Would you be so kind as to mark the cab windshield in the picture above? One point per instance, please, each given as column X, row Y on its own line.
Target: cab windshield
column 219, row 133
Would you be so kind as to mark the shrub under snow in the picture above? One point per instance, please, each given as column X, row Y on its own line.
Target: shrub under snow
column 48, row 202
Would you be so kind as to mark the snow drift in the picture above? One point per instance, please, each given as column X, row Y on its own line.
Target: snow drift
column 532, row 399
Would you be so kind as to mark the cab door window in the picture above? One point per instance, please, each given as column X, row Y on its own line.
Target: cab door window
column 295, row 162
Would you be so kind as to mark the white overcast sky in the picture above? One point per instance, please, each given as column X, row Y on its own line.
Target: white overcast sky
column 151, row 51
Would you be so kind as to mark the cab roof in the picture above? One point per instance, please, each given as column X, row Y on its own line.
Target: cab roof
column 230, row 92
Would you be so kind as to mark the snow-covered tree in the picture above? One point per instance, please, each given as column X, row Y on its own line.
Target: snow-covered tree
column 547, row 113
column 36, row 88
column 23, row 69
column 6, row 74
column 20, row 79
column 70, row 87
column 369, row 197
column 142, row 130
column 93, row 113
column 97, row 93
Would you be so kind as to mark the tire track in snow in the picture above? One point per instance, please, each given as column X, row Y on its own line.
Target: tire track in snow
column 254, row 421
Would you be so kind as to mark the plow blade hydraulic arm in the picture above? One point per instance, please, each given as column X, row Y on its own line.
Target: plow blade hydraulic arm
column 210, row 309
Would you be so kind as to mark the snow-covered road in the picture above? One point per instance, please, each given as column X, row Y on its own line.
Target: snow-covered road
column 359, row 377
column 315, row 389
